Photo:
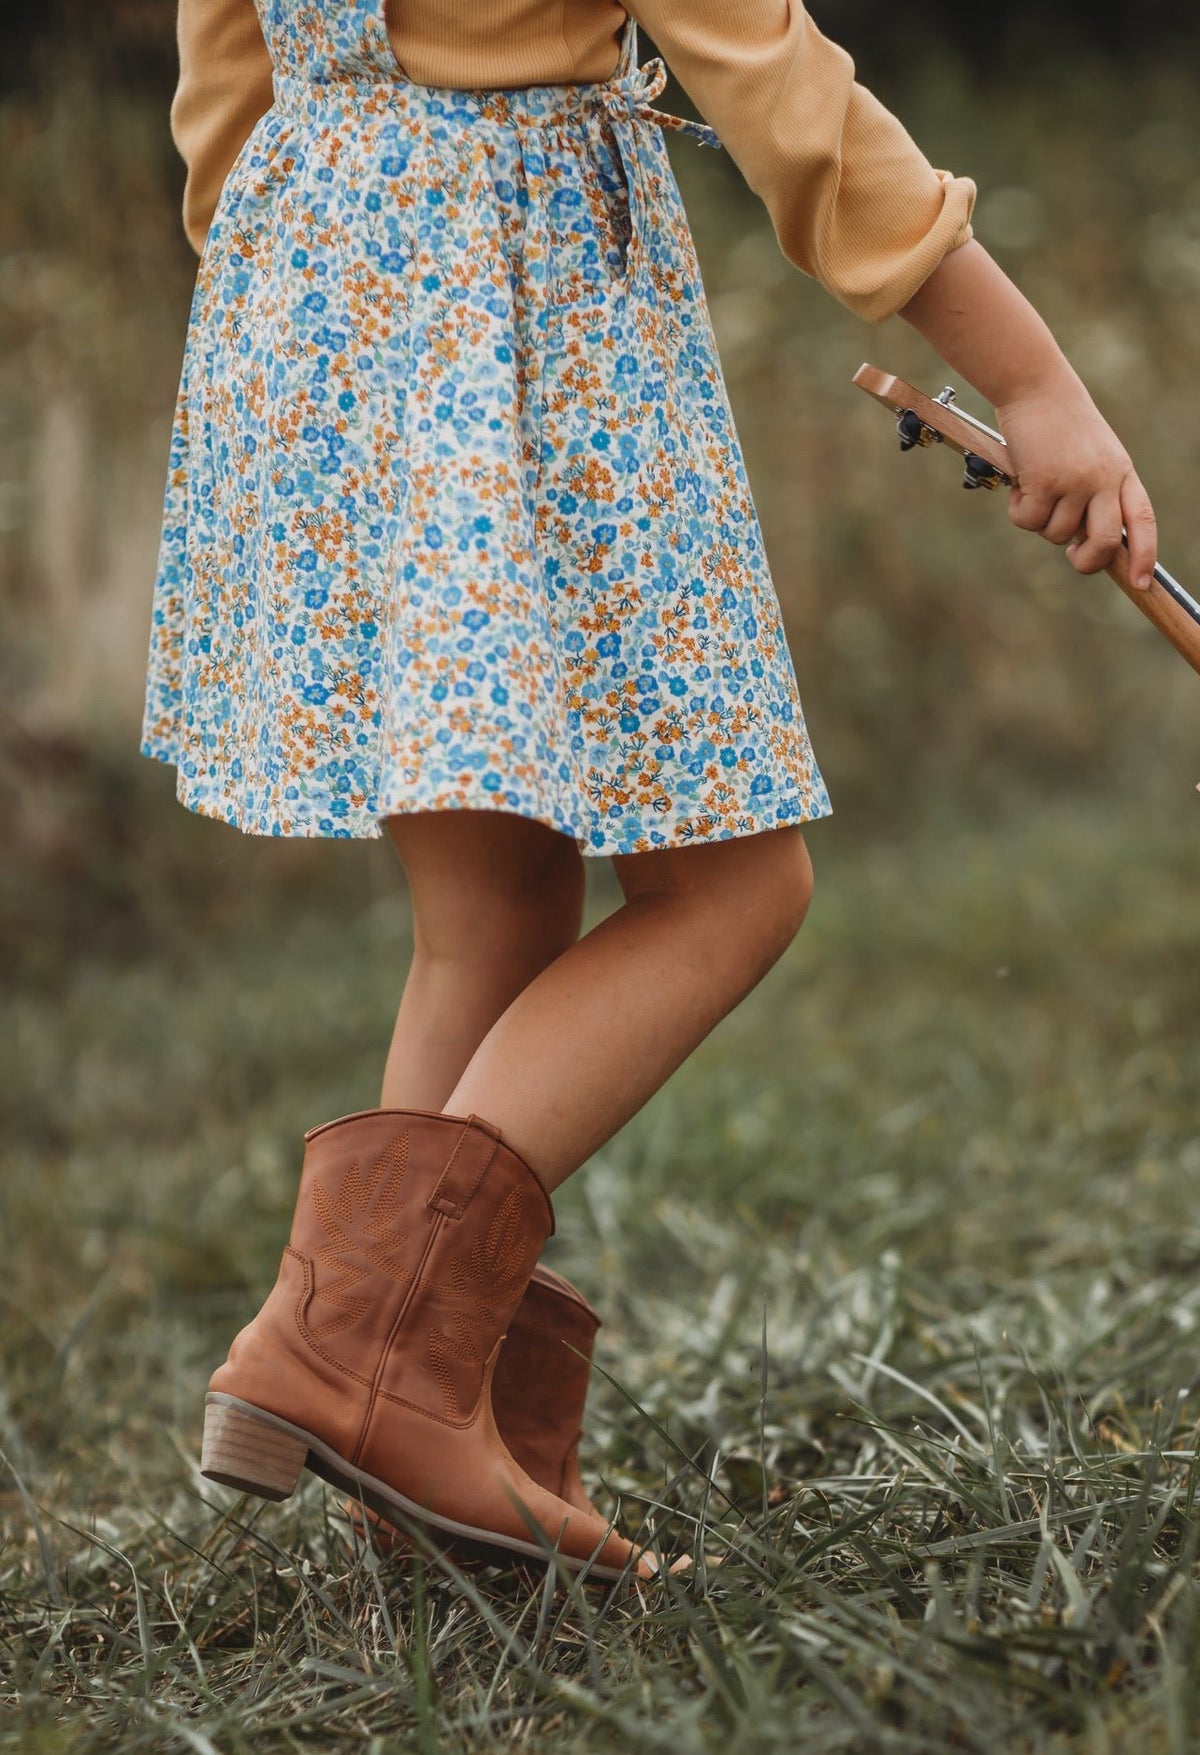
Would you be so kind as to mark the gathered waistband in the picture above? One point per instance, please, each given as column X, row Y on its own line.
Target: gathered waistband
column 627, row 96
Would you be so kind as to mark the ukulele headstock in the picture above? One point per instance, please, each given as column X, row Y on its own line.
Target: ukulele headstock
column 923, row 421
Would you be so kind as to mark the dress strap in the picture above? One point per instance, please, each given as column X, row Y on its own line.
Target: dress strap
column 628, row 60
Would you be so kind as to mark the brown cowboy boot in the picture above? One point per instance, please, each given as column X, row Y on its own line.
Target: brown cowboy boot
column 539, row 1389
column 371, row 1363
column 540, row 1385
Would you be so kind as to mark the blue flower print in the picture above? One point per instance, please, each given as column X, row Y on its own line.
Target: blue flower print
column 456, row 513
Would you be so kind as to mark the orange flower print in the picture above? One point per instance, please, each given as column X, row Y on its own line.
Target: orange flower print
column 456, row 514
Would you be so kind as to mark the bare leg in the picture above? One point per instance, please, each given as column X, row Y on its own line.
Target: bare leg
column 495, row 898
column 588, row 1040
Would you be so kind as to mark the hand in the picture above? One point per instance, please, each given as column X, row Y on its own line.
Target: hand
column 1075, row 483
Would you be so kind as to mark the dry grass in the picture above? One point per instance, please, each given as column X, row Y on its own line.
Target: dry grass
column 900, row 1283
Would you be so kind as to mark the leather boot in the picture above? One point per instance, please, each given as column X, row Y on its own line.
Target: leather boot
column 371, row 1363
column 540, row 1385
column 539, row 1389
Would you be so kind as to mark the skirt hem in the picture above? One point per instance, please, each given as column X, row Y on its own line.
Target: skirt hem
column 679, row 831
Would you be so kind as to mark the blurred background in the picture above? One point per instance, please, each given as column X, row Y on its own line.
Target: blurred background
column 956, row 1125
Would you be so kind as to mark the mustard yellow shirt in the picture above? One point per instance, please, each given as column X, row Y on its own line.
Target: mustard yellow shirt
column 854, row 201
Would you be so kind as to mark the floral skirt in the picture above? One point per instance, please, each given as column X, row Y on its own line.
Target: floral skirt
column 456, row 514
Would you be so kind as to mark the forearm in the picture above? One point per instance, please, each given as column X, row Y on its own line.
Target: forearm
column 1073, row 480
column 985, row 328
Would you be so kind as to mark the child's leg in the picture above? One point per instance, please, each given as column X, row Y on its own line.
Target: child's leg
column 495, row 898
column 578, row 1049
column 594, row 1035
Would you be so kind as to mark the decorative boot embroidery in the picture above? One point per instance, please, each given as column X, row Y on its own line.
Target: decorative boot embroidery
column 360, row 1219
column 485, row 1284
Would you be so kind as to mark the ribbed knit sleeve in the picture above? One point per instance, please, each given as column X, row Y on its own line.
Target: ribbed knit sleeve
column 854, row 201
column 224, row 87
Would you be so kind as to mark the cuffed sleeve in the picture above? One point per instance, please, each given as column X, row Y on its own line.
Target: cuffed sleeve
column 854, row 201
column 224, row 87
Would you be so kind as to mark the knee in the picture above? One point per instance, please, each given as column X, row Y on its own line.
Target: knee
column 778, row 892
column 748, row 895
column 527, row 932
column 505, row 931
column 757, row 900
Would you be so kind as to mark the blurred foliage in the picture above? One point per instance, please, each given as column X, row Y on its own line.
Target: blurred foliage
column 135, row 37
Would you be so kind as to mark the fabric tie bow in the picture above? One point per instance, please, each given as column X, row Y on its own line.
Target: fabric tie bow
column 630, row 98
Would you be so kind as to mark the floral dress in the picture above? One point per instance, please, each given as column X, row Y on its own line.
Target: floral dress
column 456, row 515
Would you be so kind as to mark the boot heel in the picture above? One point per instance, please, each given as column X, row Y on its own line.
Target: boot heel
column 244, row 1451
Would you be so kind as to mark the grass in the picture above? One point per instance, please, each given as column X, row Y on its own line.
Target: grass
column 899, row 1280
column 898, row 1273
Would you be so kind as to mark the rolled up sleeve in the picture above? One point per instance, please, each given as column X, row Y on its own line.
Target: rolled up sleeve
column 854, row 201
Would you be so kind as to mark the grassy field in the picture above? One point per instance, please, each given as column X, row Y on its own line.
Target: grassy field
column 900, row 1284
column 899, row 1273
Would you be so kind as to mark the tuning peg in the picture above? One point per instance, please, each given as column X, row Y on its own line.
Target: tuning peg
column 908, row 425
column 979, row 473
column 913, row 431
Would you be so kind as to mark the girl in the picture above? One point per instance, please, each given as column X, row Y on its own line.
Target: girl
column 458, row 544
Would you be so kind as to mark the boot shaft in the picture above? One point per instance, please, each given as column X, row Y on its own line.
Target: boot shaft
column 409, row 1224
column 540, row 1383
column 414, row 1240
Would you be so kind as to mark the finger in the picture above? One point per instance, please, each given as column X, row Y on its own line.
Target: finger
column 1065, row 522
column 1101, row 537
column 1142, row 529
column 1029, row 507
